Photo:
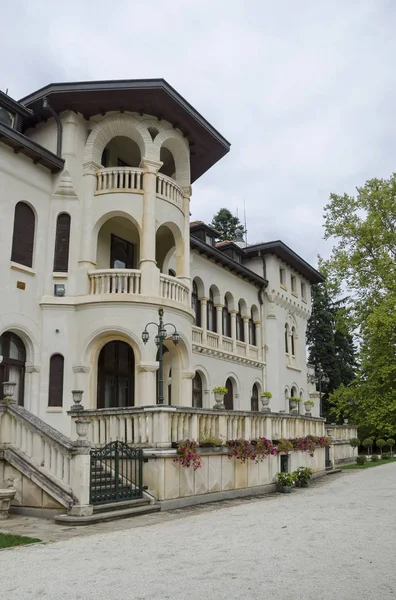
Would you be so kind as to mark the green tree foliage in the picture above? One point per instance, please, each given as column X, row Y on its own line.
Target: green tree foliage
column 226, row 224
column 330, row 342
column 363, row 261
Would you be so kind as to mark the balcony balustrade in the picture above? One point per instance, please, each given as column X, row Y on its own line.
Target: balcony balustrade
column 173, row 289
column 224, row 344
column 119, row 179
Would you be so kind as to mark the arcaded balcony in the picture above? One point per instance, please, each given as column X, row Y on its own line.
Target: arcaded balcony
column 213, row 342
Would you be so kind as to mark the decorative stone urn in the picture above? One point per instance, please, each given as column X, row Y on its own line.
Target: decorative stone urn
column 219, row 400
column 77, row 399
column 265, row 404
column 82, row 428
column 308, row 409
column 6, row 495
column 293, row 406
column 8, row 392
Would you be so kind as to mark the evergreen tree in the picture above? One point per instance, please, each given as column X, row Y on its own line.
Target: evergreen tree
column 330, row 343
column 226, row 224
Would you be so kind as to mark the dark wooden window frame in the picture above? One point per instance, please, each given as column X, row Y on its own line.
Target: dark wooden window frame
column 56, row 379
column 254, row 401
column 23, row 235
column 211, row 316
column 8, row 362
column 197, row 391
column 196, row 304
column 104, row 371
column 62, row 243
column 130, row 260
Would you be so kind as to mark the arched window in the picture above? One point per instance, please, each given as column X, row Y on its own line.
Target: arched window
column 62, row 240
column 197, row 391
column 211, row 313
column 240, row 332
column 196, row 304
column 55, row 391
column 229, row 397
column 255, row 398
column 23, row 236
column 287, row 338
column 252, row 331
column 226, row 319
column 293, row 341
column 12, row 366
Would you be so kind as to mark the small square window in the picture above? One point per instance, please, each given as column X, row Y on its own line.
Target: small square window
column 303, row 291
column 282, row 276
column 293, row 283
column 209, row 240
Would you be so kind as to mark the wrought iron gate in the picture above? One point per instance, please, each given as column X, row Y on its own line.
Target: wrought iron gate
column 328, row 463
column 116, row 473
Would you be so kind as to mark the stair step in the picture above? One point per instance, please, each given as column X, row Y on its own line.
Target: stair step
column 102, row 517
column 120, row 505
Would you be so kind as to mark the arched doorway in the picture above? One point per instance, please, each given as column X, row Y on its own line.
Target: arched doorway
column 255, row 398
column 116, row 375
column 12, row 366
column 229, row 397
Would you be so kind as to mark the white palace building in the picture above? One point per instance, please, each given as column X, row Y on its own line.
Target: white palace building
column 95, row 237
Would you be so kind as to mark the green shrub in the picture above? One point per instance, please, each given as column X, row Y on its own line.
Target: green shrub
column 286, row 479
column 303, row 474
column 380, row 443
column 386, row 455
column 360, row 460
column 354, row 442
column 390, row 443
column 374, row 458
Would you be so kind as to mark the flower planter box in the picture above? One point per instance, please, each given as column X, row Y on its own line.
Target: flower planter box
column 285, row 489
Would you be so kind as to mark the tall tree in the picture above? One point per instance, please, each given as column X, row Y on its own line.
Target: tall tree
column 363, row 261
column 330, row 342
column 226, row 224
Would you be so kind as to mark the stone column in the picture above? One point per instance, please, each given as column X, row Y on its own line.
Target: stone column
column 233, row 329
column 257, row 325
column 148, row 265
column 87, row 247
column 186, row 388
column 147, row 384
column 246, row 329
column 80, row 478
column 219, row 323
column 184, row 274
column 204, row 318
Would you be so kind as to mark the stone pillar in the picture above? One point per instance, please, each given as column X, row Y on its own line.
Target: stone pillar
column 219, row 323
column 233, row 329
column 88, row 247
column 246, row 329
column 186, row 388
column 162, row 425
column 33, row 386
column 204, row 318
column 148, row 265
column 147, row 384
column 80, row 466
column 184, row 274
column 257, row 325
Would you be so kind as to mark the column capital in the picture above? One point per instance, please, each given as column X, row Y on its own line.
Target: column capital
column 187, row 191
column 90, row 168
column 219, row 306
column 151, row 166
column 233, row 312
column 203, row 300
column 246, row 319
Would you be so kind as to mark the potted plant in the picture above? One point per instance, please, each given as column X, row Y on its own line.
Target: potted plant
column 219, row 393
column 285, row 446
column 303, row 476
column 265, row 398
column 293, row 402
column 308, row 405
column 285, row 481
column 206, row 440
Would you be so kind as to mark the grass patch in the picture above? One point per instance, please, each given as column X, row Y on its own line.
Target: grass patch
column 7, row 540
column 368, row 464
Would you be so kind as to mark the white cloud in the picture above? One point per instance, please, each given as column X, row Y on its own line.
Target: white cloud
column 303, row 90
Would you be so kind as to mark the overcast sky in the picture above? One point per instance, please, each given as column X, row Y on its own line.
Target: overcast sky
column 304, row 90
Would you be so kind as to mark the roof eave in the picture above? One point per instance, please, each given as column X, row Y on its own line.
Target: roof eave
column 20, row 143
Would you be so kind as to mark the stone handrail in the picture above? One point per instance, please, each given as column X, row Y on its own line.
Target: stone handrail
column 173, row 289
column 224, row 344
column 114, row 281
column 341, row 432
column 119, row 179
column 55, row 461
column 167, row 188
column 160, row 426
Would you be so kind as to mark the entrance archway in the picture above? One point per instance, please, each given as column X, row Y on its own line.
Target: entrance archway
column 12, row 366
column 116, row 375
column 229, row 397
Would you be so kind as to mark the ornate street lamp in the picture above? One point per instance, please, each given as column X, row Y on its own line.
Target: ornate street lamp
column 159, row 339
column 318, row 377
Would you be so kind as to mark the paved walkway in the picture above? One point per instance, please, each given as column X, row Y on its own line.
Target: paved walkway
column 334, row 541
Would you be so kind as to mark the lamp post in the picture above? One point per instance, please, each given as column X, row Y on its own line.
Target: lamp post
column 318, row 377
column 159, row 342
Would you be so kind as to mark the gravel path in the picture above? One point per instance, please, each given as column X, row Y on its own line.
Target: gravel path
column 333, row 542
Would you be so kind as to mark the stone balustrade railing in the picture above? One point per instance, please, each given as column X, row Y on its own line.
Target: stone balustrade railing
column 167, row 188
column 114, row 281
column 173, row 289
column 224, row 344
column 119, row 179
column 341, row 432
column 160, row 426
